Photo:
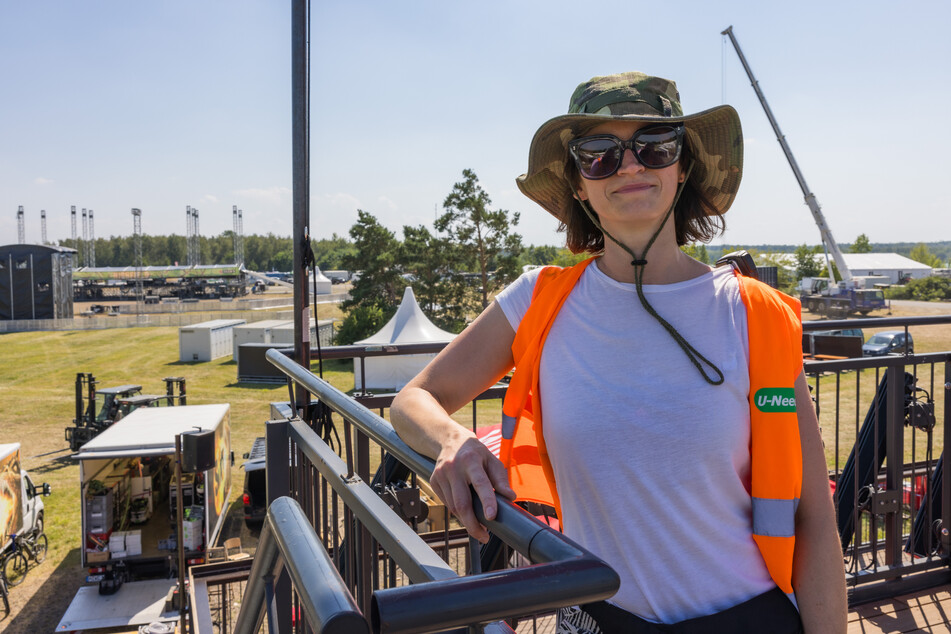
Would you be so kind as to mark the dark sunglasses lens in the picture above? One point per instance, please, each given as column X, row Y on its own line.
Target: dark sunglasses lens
column 598, row 158
column 658, row 147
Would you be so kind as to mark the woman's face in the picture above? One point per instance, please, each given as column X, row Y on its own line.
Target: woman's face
column 635, row 197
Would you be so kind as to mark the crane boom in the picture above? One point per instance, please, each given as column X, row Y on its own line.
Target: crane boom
column 827, row 240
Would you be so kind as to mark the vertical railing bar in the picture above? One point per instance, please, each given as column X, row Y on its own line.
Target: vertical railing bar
column 946, row 469
column 894, row 460
column 367, row 560
column 929, row 475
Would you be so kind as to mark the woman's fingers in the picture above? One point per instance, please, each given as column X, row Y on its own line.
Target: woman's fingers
column 471, row 465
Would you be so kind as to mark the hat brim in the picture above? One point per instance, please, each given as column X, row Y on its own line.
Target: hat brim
column 714, row 136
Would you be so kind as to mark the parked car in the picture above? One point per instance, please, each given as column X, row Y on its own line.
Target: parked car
column 889, row 342
column 845, row 332
column 255, row 484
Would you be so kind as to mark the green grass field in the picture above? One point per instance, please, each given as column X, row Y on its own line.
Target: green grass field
column 37, row 403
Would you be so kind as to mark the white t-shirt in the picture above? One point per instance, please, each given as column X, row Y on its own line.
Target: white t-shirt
column 651, row 462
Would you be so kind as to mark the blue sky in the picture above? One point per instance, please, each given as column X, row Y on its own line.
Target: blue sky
column 109, row 105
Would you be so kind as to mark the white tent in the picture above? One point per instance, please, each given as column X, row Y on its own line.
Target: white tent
column 324, row 285
column 408, row 325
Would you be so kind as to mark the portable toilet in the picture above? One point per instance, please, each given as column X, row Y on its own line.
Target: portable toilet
column 255, row 332
column 207, row 340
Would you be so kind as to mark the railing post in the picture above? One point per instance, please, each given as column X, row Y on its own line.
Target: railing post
column 895, row 453
column 946, row 470
column 277, row 463
column 365, row 558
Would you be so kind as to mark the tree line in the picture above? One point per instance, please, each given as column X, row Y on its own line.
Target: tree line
column 261, row 253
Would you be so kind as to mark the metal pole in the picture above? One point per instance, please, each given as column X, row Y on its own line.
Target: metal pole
column 179, row 527
column 32, row 286
column 944, row 536
column 278, row 484
column 300, row 87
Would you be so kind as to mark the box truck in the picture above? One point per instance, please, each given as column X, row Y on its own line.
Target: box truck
column 129, row 498
column 21, row 502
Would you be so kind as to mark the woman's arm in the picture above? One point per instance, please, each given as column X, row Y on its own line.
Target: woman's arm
column 818, row 571
column 474, row 361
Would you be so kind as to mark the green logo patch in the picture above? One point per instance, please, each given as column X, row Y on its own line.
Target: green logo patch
column 775, row 399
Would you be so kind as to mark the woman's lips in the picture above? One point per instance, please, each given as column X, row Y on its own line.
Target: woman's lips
column 632, row 188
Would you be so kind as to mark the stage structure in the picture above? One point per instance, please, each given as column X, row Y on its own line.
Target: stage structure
column 36, row 281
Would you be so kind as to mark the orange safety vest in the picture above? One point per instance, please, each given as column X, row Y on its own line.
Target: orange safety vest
column 775, row 336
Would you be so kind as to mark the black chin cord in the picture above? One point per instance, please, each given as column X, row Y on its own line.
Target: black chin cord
column 639, row 263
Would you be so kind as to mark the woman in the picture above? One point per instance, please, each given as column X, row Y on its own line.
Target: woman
column 679, row 443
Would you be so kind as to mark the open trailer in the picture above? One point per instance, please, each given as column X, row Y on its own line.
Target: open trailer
column 129, row 497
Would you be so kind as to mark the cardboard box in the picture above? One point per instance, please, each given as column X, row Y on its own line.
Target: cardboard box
column 436, row 520
column 97, row 556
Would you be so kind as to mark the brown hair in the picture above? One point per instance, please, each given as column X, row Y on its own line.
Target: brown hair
column 695, row 217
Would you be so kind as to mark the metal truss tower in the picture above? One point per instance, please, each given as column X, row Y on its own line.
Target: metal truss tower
column 196, row 237
column 238, row 238
column 92, row 241
column 21, row 226
column 43, row 225
column 189, row 246
column 137, row 245
column 85, row 242
column 241, row 236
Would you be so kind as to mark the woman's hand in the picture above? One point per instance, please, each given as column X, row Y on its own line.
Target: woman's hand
column 462, row 463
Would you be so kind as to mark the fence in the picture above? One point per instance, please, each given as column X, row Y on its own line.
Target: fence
column 884, row 424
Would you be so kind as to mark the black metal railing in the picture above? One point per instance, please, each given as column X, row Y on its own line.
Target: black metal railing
column 394, row 575
column 884, row 422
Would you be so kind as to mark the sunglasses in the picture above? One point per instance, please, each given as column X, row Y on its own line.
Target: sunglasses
column 600, row 156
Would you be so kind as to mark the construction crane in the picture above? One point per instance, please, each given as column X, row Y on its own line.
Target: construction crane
column 819, row 294
column 827, row 240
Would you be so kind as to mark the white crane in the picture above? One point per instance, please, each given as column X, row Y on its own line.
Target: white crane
column 827, row 240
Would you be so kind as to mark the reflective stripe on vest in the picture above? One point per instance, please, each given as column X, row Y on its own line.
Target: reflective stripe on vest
column 775, row 336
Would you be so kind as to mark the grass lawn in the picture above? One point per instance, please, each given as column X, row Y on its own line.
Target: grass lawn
column 37, row 402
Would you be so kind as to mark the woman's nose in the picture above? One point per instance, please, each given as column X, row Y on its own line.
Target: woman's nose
column 629, row 163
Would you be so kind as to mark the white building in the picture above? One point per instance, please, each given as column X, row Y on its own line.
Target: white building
column 895, row 267
column 891, row 265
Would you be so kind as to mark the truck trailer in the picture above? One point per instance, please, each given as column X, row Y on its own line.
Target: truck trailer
column 129, row 497
column 839, row 300
column 21, row 502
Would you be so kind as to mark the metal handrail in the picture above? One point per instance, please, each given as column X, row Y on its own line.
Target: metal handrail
column 567, row 573
column 875, row 322
column 288, row 540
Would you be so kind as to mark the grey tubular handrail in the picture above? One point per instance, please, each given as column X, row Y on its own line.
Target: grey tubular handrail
column 875, row 322
column 567, row 573
column 288, row 540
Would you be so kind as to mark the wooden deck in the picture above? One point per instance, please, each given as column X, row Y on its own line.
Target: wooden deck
column 923, row 611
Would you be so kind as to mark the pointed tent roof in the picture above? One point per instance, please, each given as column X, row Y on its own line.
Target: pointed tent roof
column 320, row 276
column 409, row 325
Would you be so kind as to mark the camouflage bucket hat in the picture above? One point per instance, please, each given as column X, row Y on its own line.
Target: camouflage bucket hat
column 714, row 138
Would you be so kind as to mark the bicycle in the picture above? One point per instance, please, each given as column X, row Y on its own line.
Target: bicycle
column 3, row 595
column 15, row 564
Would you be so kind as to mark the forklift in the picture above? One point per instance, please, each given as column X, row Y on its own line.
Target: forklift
column 98, row 409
